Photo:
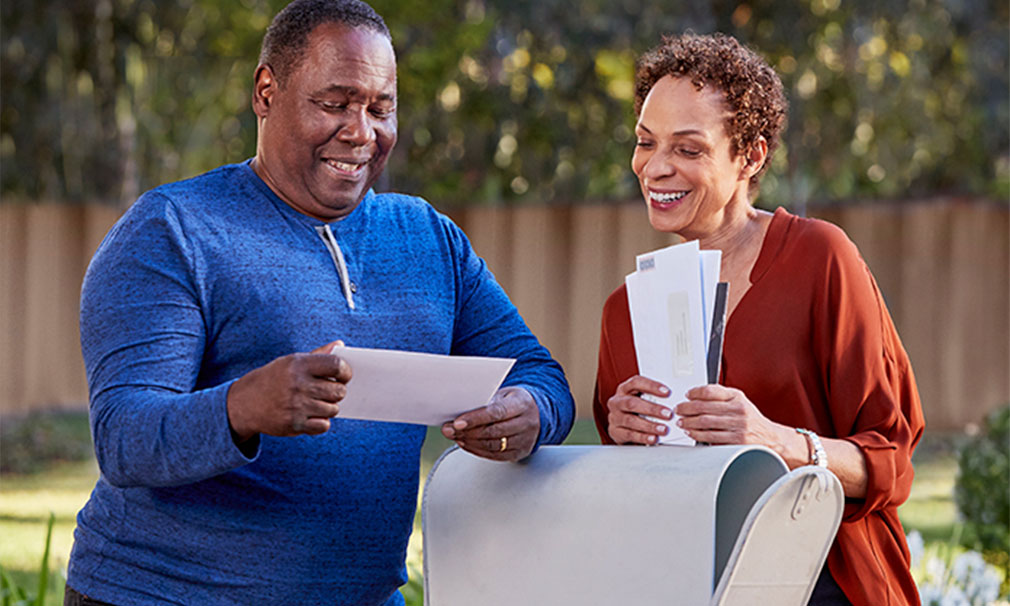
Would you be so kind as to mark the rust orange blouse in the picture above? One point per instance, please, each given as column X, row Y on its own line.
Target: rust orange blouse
column 812, row 345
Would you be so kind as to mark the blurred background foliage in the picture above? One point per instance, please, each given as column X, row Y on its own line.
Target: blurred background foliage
column 511, row 101
column 982, row 491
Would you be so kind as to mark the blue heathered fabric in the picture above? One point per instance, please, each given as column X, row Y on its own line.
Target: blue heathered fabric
column 204, row 280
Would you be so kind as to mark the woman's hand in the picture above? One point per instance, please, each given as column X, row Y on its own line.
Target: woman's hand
column 723, row 415
column 625, row 422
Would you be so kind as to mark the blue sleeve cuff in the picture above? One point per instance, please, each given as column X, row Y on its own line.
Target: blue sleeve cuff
column 553, row 426
column 249, row 450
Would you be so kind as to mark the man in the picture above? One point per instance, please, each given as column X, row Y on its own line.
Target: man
column 228, row 476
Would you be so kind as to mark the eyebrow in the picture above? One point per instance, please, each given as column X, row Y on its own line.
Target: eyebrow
column 352, row 91
column 679, row 133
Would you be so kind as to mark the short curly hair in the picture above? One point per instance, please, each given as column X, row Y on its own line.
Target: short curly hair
column 752, row 90
column 288, row 35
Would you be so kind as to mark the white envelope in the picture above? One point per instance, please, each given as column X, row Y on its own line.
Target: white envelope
column 667, row 297
column 421, row 388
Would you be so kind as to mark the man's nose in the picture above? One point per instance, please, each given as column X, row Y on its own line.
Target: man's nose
column 358, row 129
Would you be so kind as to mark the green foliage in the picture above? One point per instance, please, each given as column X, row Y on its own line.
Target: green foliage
column 982, row 489
column 28, row 443
column 12, row 594
column 105, row 99
column 510, row 100
column 413, row 591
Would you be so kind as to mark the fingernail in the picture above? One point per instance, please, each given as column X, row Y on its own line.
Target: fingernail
column 661, row 428
column 667, row 413
column 448, row 432
column 664, row 390
column 652, row 439
column 459, row 424
column 680, row 422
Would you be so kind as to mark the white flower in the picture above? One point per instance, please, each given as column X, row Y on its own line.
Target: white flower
column 916, row 546
column 930, row 593
column 954, row 596
column 967, row 566
column 984, row 587
column 966, row 581
column 936, row 569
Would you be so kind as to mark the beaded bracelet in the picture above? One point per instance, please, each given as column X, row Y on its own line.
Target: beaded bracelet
column 818, row 456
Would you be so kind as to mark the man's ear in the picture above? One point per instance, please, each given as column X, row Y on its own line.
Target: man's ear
column 754, row 158
column 264, row 87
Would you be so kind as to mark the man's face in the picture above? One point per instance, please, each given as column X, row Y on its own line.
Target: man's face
column 325, row 135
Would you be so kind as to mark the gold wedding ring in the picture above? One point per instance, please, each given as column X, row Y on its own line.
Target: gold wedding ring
column 504, row 444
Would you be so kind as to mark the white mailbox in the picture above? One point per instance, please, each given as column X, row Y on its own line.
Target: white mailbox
column 610, row 525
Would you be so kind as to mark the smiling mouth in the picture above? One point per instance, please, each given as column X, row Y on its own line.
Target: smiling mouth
column 345, row 168
column 666, row 199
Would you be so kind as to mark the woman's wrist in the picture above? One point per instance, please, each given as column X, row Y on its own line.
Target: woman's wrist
column 791, row 446
column 818, row 456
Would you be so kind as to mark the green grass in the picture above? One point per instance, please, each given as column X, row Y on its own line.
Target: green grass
column 25, row 504
column 63, row 488
column 930, row 507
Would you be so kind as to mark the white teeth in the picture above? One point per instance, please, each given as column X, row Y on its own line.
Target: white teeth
column 344, row 166
column 671, row 197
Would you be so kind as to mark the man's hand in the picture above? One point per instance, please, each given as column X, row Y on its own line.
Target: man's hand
column 505, row 430
column 295, row 394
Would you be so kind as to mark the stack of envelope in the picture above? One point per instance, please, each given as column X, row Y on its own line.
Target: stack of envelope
column 677, row 314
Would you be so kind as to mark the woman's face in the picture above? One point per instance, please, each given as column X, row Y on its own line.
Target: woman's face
column 684, row 159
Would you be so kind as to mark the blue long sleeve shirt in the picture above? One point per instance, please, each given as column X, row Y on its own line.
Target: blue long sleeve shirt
column 204, row 280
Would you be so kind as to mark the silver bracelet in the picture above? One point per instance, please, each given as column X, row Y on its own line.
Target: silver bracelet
column 818, row 456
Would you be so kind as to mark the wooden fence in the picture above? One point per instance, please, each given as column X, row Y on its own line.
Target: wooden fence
column 943, row 266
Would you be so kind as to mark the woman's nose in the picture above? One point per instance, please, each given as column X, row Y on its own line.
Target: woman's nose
column 659, row 165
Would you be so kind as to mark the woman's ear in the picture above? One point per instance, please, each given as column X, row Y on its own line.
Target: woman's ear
column 755, row 158
column 264, row 86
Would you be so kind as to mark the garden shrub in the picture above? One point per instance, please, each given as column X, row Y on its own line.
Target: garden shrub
column 30, row 442
column 982, row 489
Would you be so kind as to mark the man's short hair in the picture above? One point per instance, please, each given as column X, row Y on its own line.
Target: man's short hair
column 288, row 35
column 752, row 90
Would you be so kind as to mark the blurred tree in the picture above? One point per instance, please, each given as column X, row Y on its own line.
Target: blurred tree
column 104, row 99
column 506, row 101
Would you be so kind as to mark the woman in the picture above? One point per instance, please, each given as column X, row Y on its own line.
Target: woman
column 809, row 344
